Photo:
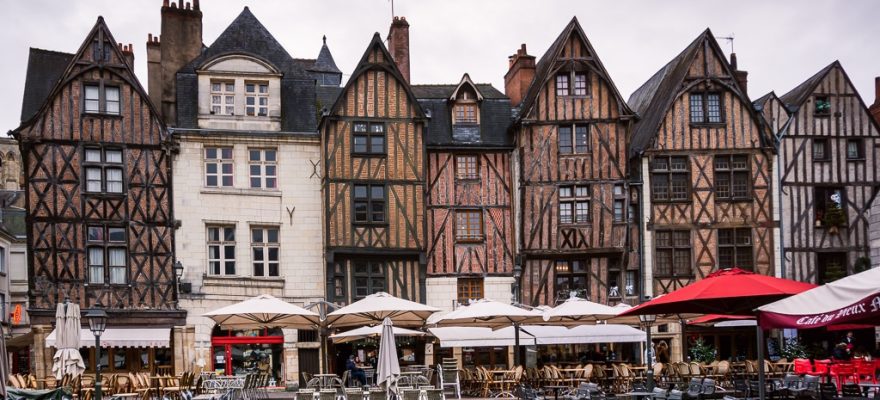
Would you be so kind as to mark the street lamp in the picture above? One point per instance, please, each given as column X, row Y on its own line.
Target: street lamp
column 647, row 320
column 97, row 324
column 178, row 275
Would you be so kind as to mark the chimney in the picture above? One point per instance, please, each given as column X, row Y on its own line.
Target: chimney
column 398, row 45
column 128, row 53
column 742, row 77
column 181, row 43
column 875, row 108
column 154, row 69
column 519, row 76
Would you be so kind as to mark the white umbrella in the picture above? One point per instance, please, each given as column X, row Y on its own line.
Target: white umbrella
column 488, row 314
column 577, row 311
column 67, row 359
column 371, row 331
column 374, row 308
column 388, row 368
column 264, row 311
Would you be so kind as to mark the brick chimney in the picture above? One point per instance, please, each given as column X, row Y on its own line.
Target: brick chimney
column 181, row 43
column 742, row 77
column 128, row 53
column 398, row 45
column 875, row 108
column 519, row 76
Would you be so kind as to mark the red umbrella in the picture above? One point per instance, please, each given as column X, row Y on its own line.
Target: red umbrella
column 713, row 318
column 727, row 291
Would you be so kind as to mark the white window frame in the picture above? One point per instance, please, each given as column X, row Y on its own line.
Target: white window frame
column 262, row 171
column 218, row 161
column 108, row 99
column 221, row 243
column 261, row 244
column 223, row 97
column 105, row 171
column 256, row 99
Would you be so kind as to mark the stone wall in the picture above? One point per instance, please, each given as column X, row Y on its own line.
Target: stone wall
column 874, row 233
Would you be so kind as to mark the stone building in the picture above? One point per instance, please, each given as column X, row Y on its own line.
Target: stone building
column 247, row 183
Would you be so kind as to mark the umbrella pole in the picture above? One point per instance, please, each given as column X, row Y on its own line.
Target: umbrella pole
column 516, row 354
column 761, row 380
column 324, row 350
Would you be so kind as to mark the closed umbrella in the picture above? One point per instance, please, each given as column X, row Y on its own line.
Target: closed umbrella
column 388, row 368
column 374, row 308
column 67, row 359
column 264, row 311
column 371, row 331
column 4, row 367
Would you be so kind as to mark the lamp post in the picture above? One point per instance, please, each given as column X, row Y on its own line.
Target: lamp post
column 178, row 275
column 97, row 323
column 518, row 358
column 647, row 321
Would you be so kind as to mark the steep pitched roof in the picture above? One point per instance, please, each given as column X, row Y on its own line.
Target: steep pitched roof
column 796, row 97
column 324, row 62
column 43, row 71
column 247, row 35
column 653, row 99
column 444, row 91
column 545, row 65
column 388, row 66
column 758, row 104
column 100, row 28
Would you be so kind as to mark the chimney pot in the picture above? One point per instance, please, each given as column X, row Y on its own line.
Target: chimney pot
column 149, row 37
column 733, row 61
column 877, row 90
column 173, row 4
column 398, row 45
column 196, row 5
column 164, row 3
column 519, row 76
column 187, row 5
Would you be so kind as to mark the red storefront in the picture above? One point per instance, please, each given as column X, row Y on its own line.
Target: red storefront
column 241, row 352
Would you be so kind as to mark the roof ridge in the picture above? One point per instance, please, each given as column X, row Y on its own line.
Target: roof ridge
column 51, row 51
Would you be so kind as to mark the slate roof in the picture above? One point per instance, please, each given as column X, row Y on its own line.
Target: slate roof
column 495, row 118
column 44, row 69
column 759, row 103
column 325, row 62
column 796, row 97
column 545, row 64
column 246, row 35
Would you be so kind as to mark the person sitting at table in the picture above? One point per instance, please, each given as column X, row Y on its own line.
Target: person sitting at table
column 840, row 352
column 662, row 351
column 356, row 373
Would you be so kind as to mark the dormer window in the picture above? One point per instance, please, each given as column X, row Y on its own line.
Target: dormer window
column 222, row 98
column 101, row 99
column 257, row 98
column 466, row 113
column 564, row 85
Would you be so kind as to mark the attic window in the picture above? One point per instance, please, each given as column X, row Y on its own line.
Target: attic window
column 466, row 113
column 823, row 106
column 705, row 108
column 564, row 84
column 100, row 99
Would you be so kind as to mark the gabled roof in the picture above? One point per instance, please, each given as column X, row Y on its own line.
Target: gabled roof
column 796, row 97
column 653, row 99
column 44, row 69
column 100, row 28
column 545, row 65
column 759, row 103
column 445, row 91
column 388, row 66
column 247, row 35
column 324, row 62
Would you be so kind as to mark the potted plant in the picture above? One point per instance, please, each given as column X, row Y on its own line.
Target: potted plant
column 702, row 352
column 834, row 218
column 793, row 349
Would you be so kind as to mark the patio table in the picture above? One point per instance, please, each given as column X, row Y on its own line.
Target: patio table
column 637, row 395
column 868, row 387
column 556, row 390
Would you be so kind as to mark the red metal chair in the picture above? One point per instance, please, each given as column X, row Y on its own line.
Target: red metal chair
column 802, row 366
column 843, row 373
column 865, row 371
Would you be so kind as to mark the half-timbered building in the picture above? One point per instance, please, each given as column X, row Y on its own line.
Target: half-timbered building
column 571, row 168
column 470, row 228
column 828, row 155
column 373, row 147
column 247, row 185
column 97, row 167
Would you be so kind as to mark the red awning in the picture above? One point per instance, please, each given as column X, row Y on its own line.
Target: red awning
column 728, row 291
column 713, row 318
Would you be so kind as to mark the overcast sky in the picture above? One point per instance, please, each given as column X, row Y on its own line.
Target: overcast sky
column 780, row 43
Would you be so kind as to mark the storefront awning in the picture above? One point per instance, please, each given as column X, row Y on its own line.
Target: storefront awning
column 537, row 335
column 20, row 341
column 122, row 337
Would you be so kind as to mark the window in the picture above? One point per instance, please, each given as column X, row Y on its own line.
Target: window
column 368, row 138
column 107, row 254
column 466, row 167
column 574, row 204
column 369, row 278
column 263, row 168
column 466, row 113
column 571, row 276
column 670, row 179
column 468, row 225
column 221, row 250
column 2, row 259
column 222, row 98
column 103, row 169
column 831, row 266
column 264, row 243
column 369, row 204
column 823, row 106
column 821, row 152
column 735, row 248
column 732, row 177
column 705, row 108
column 574, row 139
column 100, row 99
column 218, row 166
column 469, row 289
column 829, row 209
column 338, row 281
column 256, row 99
column 619, row 203
column 563, row 84
column 855, row 149
column 672, row 253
